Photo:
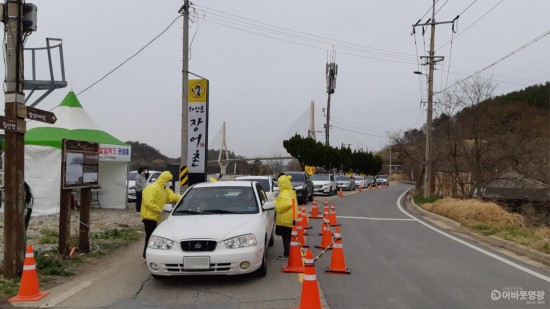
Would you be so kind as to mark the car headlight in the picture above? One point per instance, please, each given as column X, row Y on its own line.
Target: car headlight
column 156, row 242
column 299, row 188
column 242, row 241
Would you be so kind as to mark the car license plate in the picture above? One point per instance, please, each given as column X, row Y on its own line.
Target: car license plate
column 196, row 262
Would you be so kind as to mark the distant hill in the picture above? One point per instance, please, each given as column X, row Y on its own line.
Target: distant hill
column 536, row 95
column 145, row 155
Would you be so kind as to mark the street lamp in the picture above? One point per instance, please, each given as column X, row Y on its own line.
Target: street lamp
column 428, row 154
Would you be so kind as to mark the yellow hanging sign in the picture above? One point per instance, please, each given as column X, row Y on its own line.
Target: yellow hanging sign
column 197, row 90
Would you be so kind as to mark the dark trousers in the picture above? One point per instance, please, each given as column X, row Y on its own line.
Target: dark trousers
column 150, row 226
column 138, row 201
column 286, row 245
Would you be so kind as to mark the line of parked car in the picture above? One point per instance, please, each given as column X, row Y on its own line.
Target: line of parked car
column 226, row 227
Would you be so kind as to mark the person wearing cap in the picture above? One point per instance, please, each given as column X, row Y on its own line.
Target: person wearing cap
column 285, row 212
column 154, row 197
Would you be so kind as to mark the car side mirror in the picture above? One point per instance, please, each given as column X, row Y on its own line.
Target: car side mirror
column 268, row 206
column 168, row 208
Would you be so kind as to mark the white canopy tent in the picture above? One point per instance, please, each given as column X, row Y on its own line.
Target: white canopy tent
column 43, row 143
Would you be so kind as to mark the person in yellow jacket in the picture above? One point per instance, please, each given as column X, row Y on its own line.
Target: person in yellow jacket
column 286, row 212
column 154, row 197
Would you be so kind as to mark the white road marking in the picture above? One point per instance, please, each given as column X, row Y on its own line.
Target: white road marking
column 496, row 257
column 379, row 219
column 63, row 296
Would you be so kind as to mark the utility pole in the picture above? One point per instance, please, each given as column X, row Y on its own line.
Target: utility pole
column 428, row 170
column 14, row 230
column 184, row 168
column 331, row 72
column 431, row 60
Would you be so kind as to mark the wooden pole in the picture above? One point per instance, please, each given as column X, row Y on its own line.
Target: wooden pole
column 14, row 227
column 84, row 231
column 64, row 222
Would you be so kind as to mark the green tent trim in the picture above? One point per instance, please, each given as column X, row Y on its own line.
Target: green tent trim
column 53, row 137
column 70, row 100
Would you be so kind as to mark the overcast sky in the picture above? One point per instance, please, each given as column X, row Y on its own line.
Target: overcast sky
column 265, row 61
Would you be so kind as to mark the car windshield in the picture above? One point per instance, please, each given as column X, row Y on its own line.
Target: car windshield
column 342, row 178
column 217, row 200
column 370, row 178
column 296, row 177
column 132, row 175
column 323, row 177
column 382, row 177
column 359, row 178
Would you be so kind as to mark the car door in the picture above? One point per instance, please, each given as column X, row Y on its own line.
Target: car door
column 269, row 215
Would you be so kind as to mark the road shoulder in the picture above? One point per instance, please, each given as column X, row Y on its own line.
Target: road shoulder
column 522, row 253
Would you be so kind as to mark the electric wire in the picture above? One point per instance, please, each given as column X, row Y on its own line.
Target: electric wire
column 362, row 133
column 306, row 45
column 441, row 6
column 132, row 56
column 238, row 25
column 501, row 59
column 477, row 20
column 303, row 33
column 303, row 40
column 450, row 58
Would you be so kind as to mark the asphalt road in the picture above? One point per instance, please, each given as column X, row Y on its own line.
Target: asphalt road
column 396, row 261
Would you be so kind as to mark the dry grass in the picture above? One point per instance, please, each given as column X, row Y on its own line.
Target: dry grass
column 491, row 219
column 398, row 177
column 472, row 211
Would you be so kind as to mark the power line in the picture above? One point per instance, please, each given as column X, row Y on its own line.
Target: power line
column 363, row 133
column 135, row 54
column 206, row 9
column 501, row 59
column 482, row 16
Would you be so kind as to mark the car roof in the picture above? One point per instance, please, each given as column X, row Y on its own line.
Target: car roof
column 252, row 177
column 236, row 183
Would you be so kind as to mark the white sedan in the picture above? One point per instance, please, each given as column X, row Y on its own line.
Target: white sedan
column 216, row 228
column 267, row 182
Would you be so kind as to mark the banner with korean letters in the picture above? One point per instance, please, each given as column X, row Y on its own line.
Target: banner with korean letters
column 116, row 153
column 197, row 126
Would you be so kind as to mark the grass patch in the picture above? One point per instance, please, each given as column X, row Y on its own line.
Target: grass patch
column 419, row 200
column 51, row 266
column 484, row 228
column 491, row 219
column 48, row 236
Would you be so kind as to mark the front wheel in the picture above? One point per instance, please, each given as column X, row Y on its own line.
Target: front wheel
column 262, row 271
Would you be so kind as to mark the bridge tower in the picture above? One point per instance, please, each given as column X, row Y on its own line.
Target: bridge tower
column 311, row 130
column 223, row 160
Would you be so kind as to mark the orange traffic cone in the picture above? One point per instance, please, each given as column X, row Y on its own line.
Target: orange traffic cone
column 326, row 240
column 332, row 216
column 340, row 193
column 310, row 298
column 360, row 188
column 300, row 236
column 315, row 210
column 337, row 263
column 28, row 288
column 370, row 187
column 295, row 263
column 305, row 220
column 326, row 218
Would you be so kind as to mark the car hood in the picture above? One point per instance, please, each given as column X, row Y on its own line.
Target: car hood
column 215, row 226
column 321, row 182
